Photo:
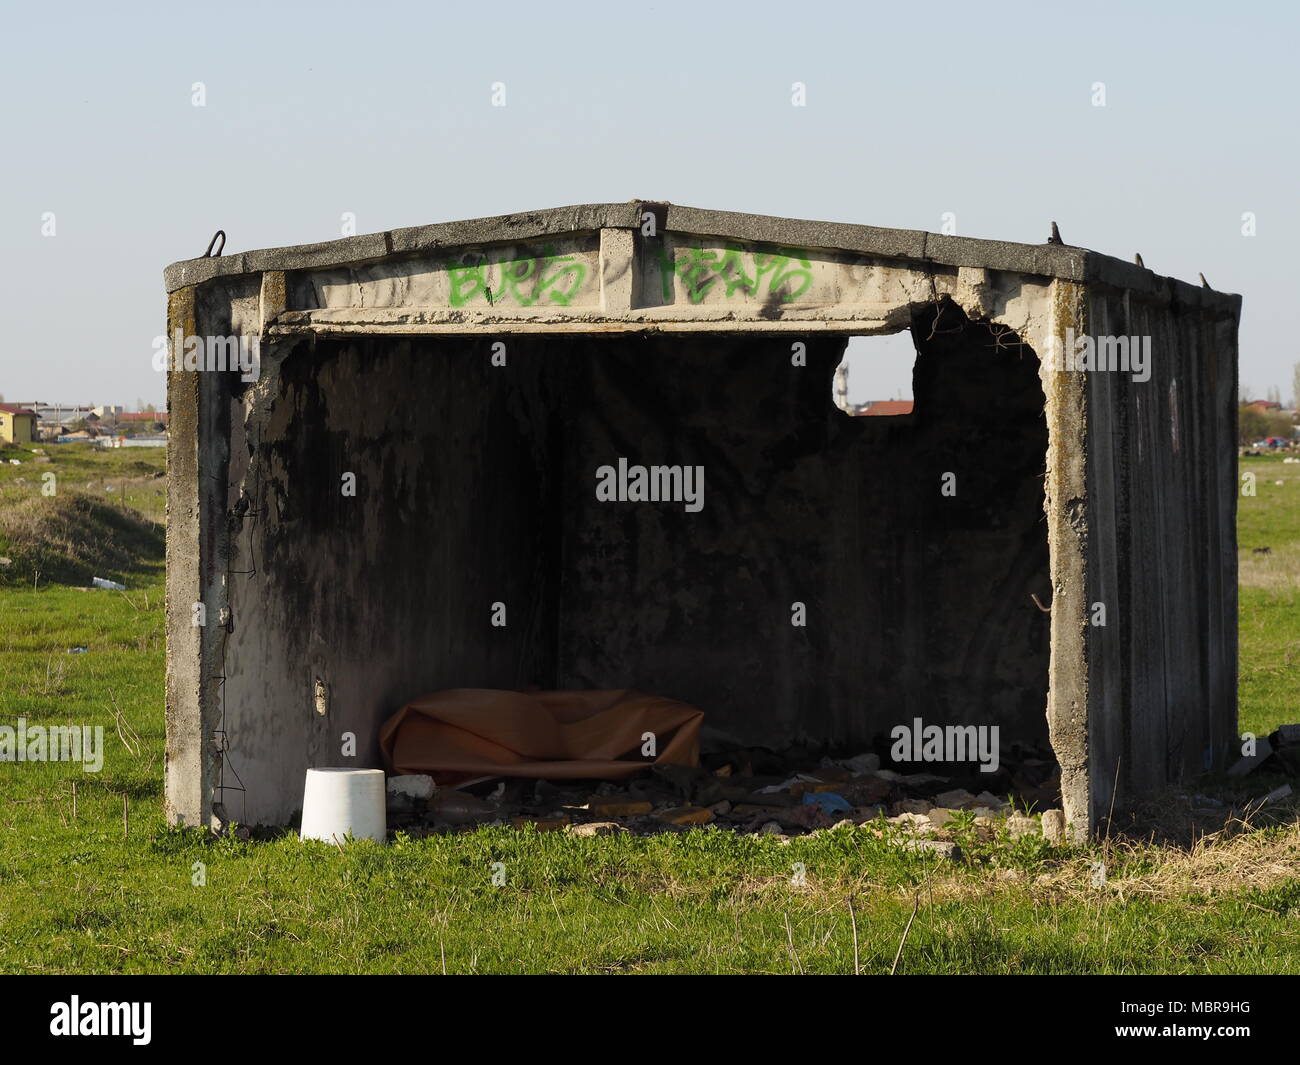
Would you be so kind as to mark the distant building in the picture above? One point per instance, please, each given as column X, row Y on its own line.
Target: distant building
column 17, row 424
column 54, row 419
column 883, row 408
column 142, row 417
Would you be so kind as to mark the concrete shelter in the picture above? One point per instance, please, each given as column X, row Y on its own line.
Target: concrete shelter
column 419, row 445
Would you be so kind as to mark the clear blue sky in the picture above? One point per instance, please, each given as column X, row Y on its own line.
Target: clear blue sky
column 384, row 110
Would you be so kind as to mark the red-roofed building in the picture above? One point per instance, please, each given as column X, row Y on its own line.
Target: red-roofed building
column 17, row 424
column 883, row 408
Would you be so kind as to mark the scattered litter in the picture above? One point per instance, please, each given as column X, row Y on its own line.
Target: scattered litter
column 14, row 462
column 6, row 561
column 112, row 586
column 595, row 828
column 78, row 650
column 859, row 764
column 461, row 808
column 765, row 793
column 686, row 815
column 786, row 785
column 1285, row 742
column 1263, row 751
column 1277, row 793
column 829, row 802
column 414, row 785
column 619, row 806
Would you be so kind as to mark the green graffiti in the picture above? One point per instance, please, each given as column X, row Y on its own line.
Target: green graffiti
column 542, row 279
column 782, row 272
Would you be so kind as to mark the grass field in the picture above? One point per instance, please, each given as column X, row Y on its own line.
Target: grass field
column 91, row 892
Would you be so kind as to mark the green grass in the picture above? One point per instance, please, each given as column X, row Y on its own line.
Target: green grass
column 70, row 512
column 1269, row 596
column 77, row 895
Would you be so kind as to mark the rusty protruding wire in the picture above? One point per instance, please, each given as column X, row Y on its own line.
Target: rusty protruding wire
column 219, row 233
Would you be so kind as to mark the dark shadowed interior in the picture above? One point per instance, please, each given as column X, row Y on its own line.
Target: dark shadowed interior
column 476, row 486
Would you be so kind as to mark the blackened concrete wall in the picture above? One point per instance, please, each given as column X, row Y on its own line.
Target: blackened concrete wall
column 1162, row 543
column 475, row 485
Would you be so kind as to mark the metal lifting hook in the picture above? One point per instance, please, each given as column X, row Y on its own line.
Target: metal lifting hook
column 219, row 233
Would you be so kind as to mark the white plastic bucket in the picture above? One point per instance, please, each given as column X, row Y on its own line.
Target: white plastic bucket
column 337, row 801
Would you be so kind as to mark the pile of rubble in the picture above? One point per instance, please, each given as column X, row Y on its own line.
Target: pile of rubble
column 730, row 794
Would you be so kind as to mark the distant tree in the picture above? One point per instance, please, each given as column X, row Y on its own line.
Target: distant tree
column 1275, row 395
column 1250, row 425
column 1254, row 425
column 1295, row 386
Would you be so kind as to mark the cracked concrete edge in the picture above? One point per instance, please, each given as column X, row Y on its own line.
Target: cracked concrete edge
column 1060, row 261
column 187, row 768
column 1065, row 504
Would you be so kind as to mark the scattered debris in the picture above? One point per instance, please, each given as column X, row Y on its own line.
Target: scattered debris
column 749, row 791
column 686, row 815
column 619, row 806
column 942, row 848
column 1263, row 752
column 595, row 828
column 412, row 785
column 462, row 808
column 1019, row 825
column 1054, row 826
column 113, row 586
column 1280, row 749
column 828, row 802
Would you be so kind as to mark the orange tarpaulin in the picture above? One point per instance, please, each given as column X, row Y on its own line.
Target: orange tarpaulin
column 467, row 733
